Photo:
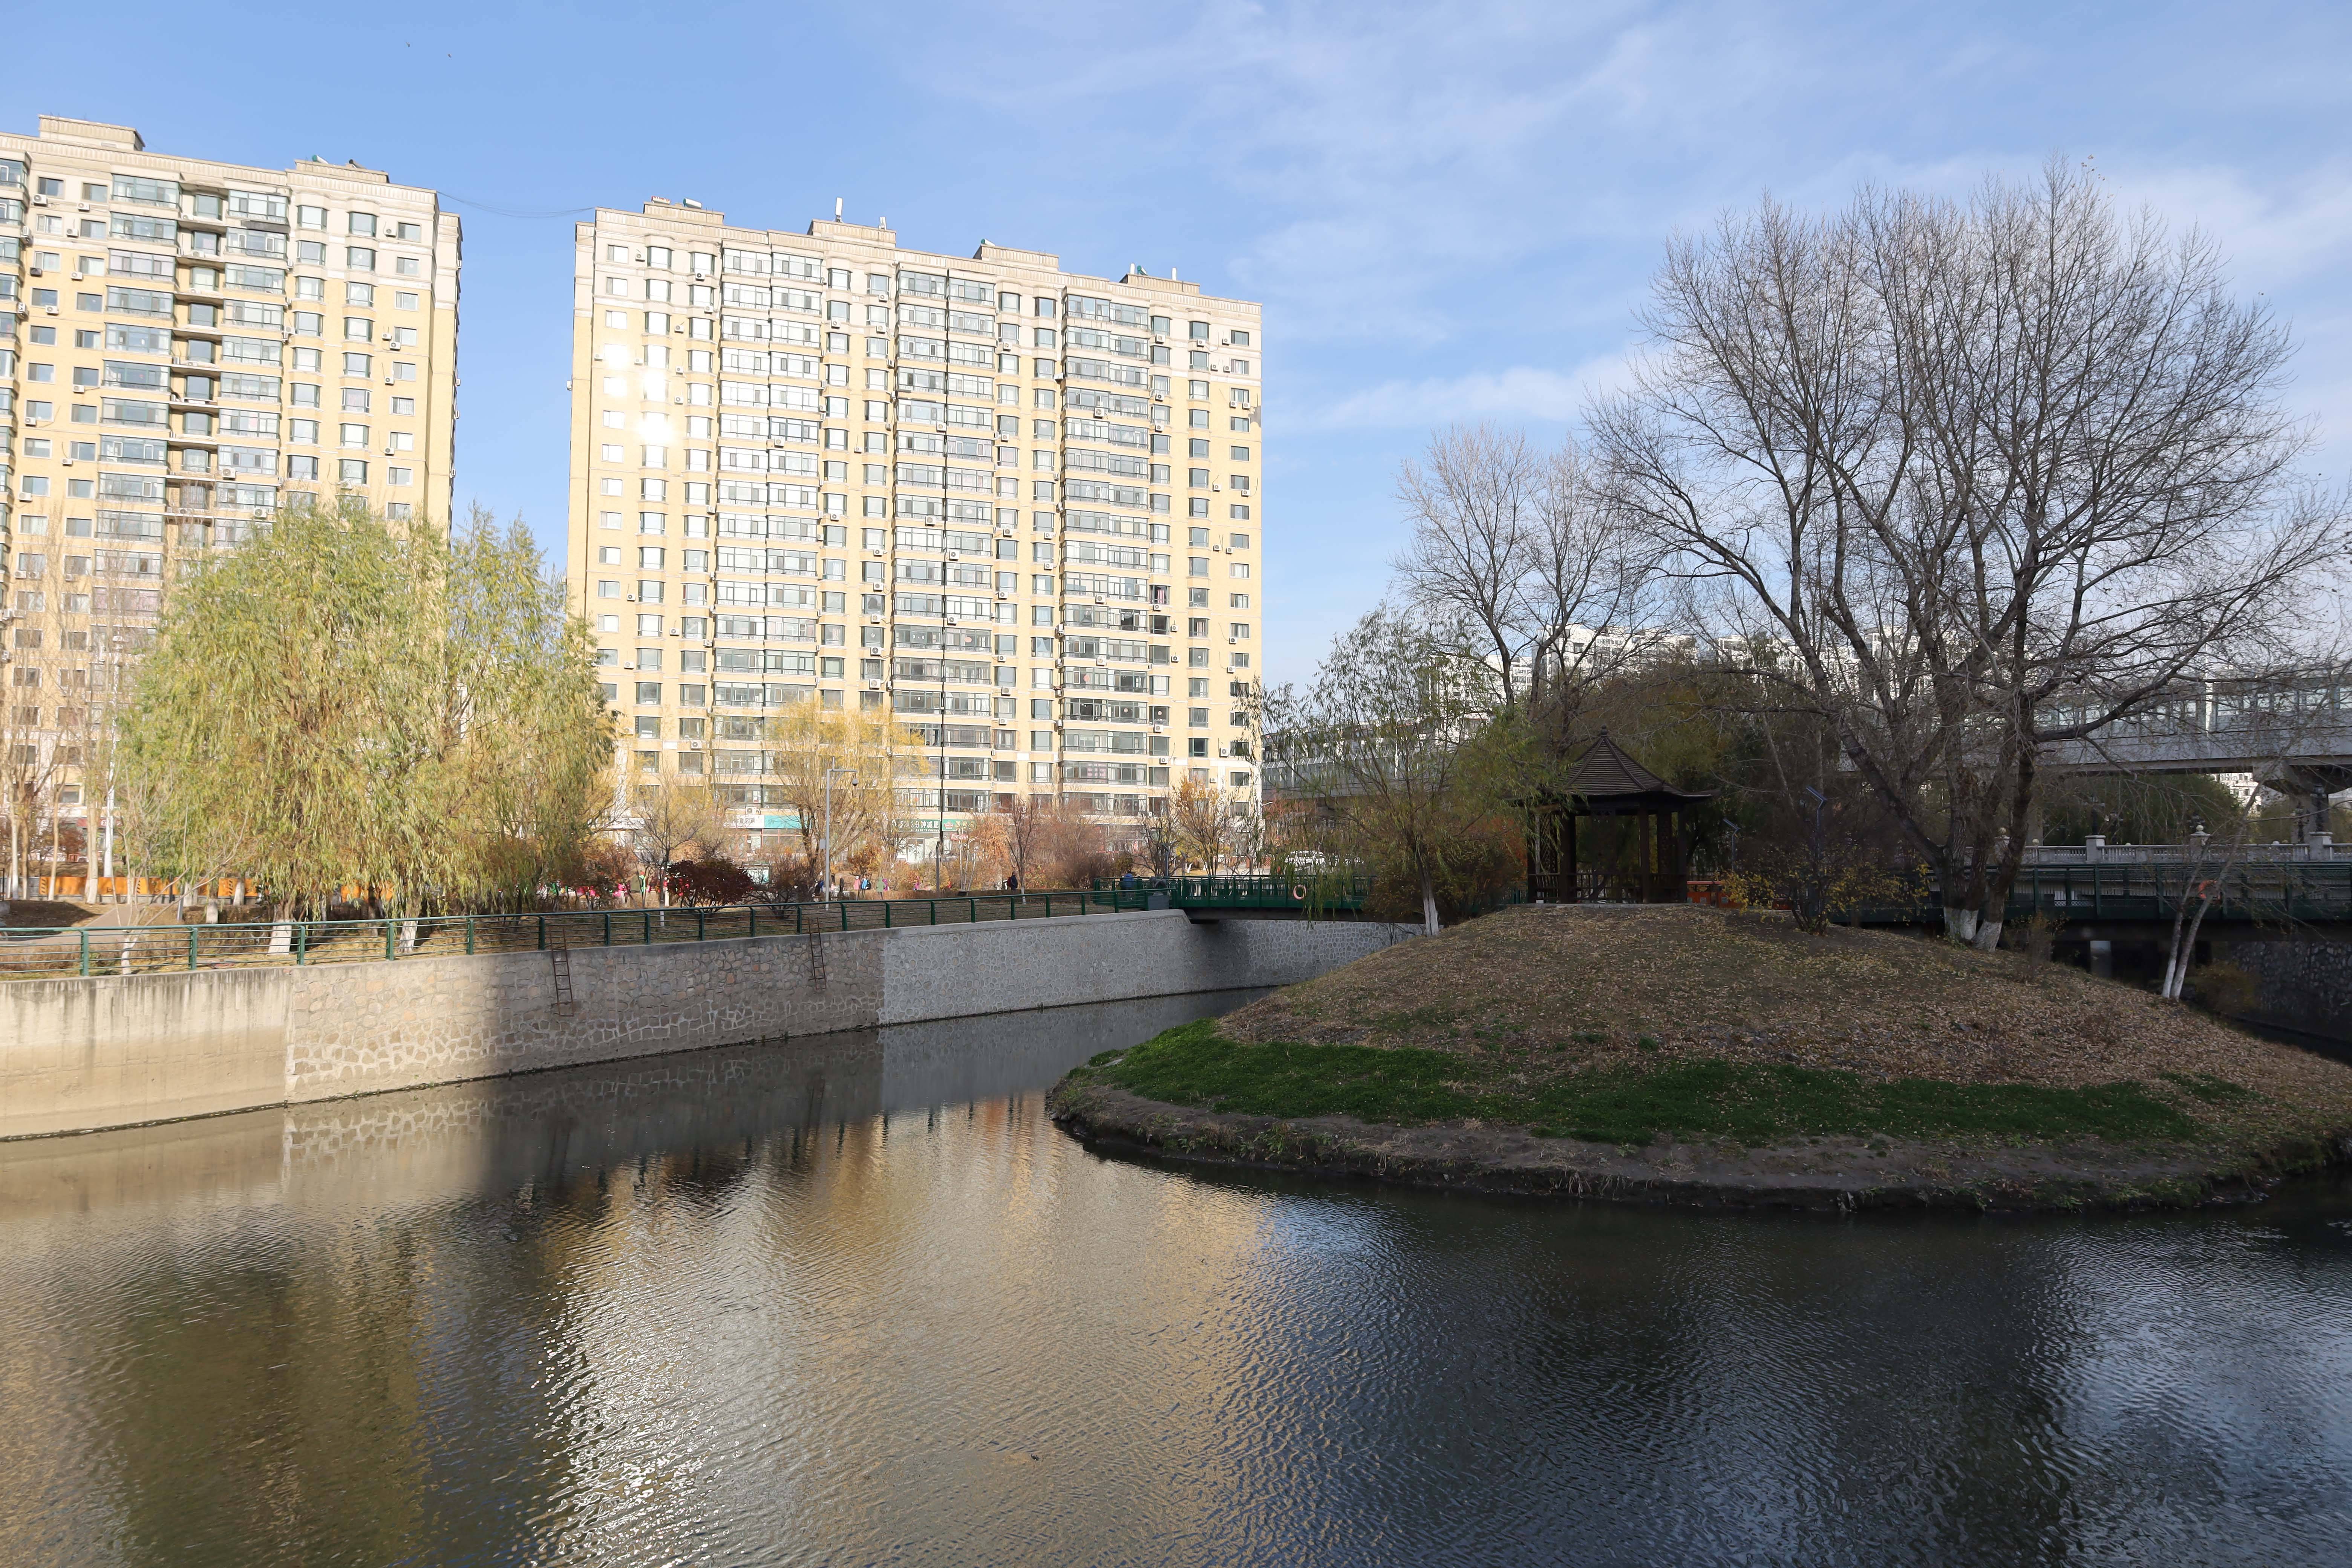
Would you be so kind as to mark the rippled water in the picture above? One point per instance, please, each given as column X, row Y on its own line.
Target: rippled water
column 854, row 1300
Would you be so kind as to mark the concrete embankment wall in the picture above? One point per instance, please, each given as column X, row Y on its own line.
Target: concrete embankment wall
column 76, row 1055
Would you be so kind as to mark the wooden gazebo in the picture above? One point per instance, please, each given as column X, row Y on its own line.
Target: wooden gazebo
column 1654, row 869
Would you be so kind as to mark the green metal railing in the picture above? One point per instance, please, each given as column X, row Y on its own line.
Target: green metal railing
column 2275, row 891
column 48, row 954
column 1303, row 892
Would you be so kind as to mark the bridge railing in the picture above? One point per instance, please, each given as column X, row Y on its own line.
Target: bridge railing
column 2319, row 849
column 2279, row 891
column 49, row 953
column 1306, row 892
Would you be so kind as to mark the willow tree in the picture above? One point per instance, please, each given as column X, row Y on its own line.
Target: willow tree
column 343, row 702
column 871, row 758
column 1395, row 748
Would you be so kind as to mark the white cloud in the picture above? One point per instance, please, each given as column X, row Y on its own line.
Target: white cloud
column 1522, row 393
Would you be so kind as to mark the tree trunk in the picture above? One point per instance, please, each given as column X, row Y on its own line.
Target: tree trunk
column 1428, row 905
column 2176, row 977
column 1960, row 924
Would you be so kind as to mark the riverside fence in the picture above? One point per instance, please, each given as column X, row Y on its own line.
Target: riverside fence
column 38, row 954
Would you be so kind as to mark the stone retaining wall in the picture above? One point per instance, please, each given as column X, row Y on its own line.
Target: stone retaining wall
column 114, row 1051
column 2305, row 986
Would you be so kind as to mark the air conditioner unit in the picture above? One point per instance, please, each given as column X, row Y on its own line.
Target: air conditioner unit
column 40, row 201
column 83, row 207
column 75, row 277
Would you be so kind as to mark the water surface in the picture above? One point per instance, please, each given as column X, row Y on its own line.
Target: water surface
column 854, row 1300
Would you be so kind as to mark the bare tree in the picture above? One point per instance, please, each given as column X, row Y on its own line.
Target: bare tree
column 1522, row 570
column 667, row 814
column 1028, row 830
column 1971, row 480
column 1156, row 843
column 1201, row 816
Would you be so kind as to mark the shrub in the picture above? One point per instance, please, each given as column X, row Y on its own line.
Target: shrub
column 712, row 880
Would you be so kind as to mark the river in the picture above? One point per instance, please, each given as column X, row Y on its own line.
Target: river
column 854, row 1300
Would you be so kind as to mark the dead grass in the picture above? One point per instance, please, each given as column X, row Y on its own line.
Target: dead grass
column 1536, row 994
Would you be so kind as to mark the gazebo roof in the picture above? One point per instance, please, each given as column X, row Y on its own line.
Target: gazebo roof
column 1606, row 781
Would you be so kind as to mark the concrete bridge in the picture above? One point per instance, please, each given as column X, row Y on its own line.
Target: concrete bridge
column 2294, row 735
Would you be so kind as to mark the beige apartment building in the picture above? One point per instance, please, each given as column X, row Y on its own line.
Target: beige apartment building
column 185, row 346
column 1018, row 509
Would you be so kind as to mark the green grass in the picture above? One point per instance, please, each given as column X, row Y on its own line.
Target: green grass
column 1753, row 1105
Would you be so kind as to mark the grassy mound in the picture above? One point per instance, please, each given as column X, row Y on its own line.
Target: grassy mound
column 1623, row 1026
column 1745, row 1104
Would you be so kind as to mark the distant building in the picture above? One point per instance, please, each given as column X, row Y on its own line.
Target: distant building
column 185, row 346
column 1017, row 509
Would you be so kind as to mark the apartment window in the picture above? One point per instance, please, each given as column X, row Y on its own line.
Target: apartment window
column 310, row 217
column 357, row 364
column 608, row 555
column 363, row 222
column 355, row 435
column 408, row 266
column 1238, row 540
column 1196, row 565
column 355, row 400
column 358, row 329
column 1238, row 454
column 1199, row 389
column 1239, row 569
column 648, row 692
column 359, row 293
column 1197, row 507
column 359, row 259
column 354, row 469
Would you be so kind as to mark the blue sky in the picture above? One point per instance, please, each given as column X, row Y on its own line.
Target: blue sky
column 1449, row 211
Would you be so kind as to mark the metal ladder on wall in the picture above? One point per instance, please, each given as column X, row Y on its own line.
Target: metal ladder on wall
column 817, row 972
column 559, row 958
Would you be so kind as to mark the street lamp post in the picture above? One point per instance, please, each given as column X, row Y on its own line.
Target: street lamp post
column 825, row 836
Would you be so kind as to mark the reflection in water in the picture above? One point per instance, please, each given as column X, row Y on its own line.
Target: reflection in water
column 853, row 1300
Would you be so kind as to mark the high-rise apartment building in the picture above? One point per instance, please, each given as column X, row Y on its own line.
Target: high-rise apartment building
column 1017, row 509
column 184, row 346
